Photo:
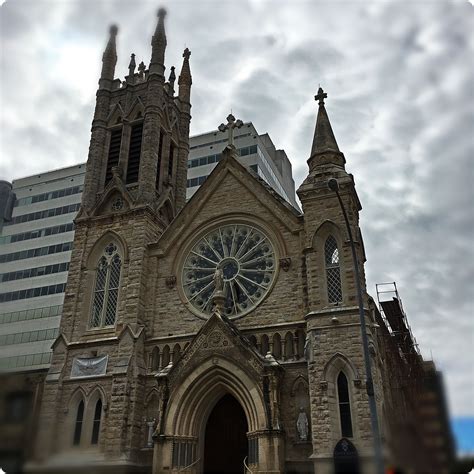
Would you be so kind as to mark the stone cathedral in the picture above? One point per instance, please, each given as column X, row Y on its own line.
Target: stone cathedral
column 220, row 334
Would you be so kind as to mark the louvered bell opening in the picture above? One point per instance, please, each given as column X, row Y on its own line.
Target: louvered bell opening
column 170, row 160
column 114, row 152
column 134, row 153
column 158, row 165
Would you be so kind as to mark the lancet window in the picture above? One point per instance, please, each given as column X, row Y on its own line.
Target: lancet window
column 105, row 297
column 96, row 422
column 344, row 405
column 78, row 423
column 333, row 271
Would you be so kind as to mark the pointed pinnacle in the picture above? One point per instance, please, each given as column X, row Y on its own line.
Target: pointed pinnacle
column 132, row 64
column 185, row 75
column 172, row 77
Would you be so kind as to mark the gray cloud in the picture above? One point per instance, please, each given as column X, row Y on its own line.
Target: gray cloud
column 399, row 81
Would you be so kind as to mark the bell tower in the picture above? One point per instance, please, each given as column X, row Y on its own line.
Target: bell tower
column 134, row 186
column 140, row 132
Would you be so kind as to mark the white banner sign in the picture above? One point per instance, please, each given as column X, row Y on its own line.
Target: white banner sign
column 89, row 367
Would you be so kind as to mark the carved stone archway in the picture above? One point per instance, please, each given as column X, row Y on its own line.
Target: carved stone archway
column 207, row 372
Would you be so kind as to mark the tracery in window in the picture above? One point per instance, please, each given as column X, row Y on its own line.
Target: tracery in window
column 333, row 271
column 246, row 257
column 344, row 405
column 105, row 298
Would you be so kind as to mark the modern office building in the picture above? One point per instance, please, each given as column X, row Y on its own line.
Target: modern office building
column 35, row 249
column 37, row 230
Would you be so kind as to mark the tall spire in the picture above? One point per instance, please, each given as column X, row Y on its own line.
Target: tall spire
column 158, row 43
column 324, row 147
column 185, row 80
column 109, row 58
column 323, row 135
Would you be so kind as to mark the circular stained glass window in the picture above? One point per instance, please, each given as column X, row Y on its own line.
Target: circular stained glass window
column 246, row 258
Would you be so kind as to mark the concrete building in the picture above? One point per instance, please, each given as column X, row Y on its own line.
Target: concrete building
column 35, row 250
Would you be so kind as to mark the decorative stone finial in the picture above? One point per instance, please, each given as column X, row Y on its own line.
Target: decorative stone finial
column 132, row 65
column 113, row 30
column 186, row 53
column 320, row 96
column 172, row 77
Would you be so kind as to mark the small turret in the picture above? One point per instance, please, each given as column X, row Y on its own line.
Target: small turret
column 158, row 43
column 131, row 69
column 185, row 80
column 109, row 58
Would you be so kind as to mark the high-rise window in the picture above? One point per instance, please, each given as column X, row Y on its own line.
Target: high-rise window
column 344, row 405
column 134, row 153
column 333, row 271
column 104, row 306
column 96, row 422
column 114, row 152
column 78, row 423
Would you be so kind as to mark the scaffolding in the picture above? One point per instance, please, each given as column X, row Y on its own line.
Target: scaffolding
column 391, row 310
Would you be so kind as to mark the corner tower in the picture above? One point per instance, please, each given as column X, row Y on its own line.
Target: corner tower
column 140, row 133
column 135, row 184
column 340, row 417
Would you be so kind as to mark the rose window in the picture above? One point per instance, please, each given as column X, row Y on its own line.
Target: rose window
column 247, row 260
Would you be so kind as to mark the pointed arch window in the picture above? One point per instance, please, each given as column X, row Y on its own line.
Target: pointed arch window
column 96, row 422
column 104, row 306
column 78, row 423
column 333, row 271
column 344, row 405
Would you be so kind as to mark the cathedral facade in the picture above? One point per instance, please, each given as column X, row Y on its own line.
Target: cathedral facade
column 217, row 335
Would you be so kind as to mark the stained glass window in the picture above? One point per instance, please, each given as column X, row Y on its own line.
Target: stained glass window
column 333, row 271
column 105, row 297
column 247, row 260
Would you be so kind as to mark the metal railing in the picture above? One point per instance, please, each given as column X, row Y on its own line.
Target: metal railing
column 190, row 465
column 246, row 467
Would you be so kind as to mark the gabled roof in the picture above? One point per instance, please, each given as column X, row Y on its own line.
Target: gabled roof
column 218, row 335
column 264, row 194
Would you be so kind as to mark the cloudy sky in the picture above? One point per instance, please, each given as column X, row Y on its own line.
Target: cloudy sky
column 399, row 76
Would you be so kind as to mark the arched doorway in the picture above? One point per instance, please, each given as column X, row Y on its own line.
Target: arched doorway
column 225, row 442
column 346, row 459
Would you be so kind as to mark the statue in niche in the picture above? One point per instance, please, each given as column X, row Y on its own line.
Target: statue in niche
column 219, row 279
column 302, row 425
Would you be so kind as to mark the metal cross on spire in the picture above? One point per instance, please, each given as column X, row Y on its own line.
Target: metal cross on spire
column 230, row 125
column 320, row 96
